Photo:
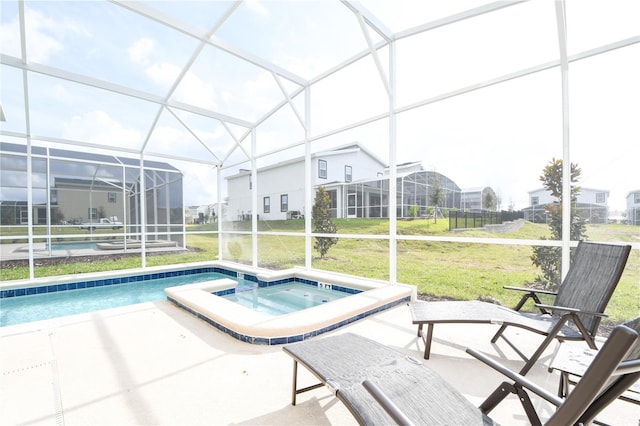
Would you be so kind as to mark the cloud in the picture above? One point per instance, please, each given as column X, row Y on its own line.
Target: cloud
column 98, row 127
column 257, row 7
column 45, row 36
column 163, row 73
column 192, row 89
column 140, row 51
column 41, row 40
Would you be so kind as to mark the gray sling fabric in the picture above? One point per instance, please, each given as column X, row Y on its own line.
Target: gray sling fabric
column 373, row 380
column 344, row 361
column 592, row 278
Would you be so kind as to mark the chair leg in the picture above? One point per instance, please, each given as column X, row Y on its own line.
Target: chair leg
column 501, row 392
column 427, row 342
column 543, row 346
column 426, row 339
column 499, row 333
column 294, row 392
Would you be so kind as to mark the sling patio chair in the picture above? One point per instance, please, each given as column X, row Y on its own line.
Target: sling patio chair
column 380, row 385
column 613, row 370
column 572, row 361
column 576, row 312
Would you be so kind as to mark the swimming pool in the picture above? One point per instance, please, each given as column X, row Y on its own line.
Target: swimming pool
column 201, row 289
column 80, row 245
column 38, row 303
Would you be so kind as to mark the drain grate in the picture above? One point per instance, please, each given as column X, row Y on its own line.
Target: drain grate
column 27, row 368
column 53, row 368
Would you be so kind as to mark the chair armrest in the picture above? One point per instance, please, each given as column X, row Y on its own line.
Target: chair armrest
column 572, row 310
column 530, row 290
column 530, row 293
column 630, row 366
column 385, row 402
column 516, row 377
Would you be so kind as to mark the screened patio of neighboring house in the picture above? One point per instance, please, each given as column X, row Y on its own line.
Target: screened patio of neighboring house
column 140, row 110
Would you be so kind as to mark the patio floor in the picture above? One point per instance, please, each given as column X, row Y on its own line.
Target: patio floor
column 155, row 364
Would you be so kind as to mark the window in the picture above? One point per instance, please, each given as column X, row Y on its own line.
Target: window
column 284, row 202
column 266, row 204
column 322, row 169
column 535, row 201
column 111, row 197
column 93, row 214
column 636, row 198
column 348, row 173
column 333, row 198
column 600, row 198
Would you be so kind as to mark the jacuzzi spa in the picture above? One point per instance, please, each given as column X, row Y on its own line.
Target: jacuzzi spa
column 253, row 319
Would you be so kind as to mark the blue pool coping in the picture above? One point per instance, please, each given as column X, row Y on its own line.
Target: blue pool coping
column 54, row 288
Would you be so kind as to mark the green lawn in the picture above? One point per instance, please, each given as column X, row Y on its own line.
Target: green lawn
column 442, row 269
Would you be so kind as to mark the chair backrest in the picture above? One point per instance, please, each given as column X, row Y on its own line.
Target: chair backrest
column 603, row 382
column 593, row 276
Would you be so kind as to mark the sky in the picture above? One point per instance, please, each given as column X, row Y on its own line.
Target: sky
column 498, row 135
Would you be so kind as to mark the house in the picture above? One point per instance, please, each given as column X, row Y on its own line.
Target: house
column 72, row 187
column 633, row 207
column 357, row 183
column 479, row 199
column 281, row 186
column 591, row 204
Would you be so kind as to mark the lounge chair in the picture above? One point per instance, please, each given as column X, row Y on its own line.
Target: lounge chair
column 380, row 385
column 611, row 373
column 578, row 306
column 572, row 361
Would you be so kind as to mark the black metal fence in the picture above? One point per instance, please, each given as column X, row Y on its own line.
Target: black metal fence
column 460, row 219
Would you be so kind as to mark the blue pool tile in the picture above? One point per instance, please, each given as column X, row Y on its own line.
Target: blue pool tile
column 296, row 338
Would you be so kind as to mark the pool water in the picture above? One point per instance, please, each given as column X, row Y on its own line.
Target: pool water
column 284, row 298
column 84, row 245
column 17, row 310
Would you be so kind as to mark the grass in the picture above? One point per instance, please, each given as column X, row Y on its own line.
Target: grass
column 440, row 269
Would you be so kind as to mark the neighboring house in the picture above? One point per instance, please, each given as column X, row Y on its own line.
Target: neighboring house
column 591, row 204
column 633, row 207
column 201, row 214
column 191, row 214
column 281, row 186
column 72, row 187
column 77, row 204
column 357, row 183
column 479, row 199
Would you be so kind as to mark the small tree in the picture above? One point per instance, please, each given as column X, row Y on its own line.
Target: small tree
column 322, row 223
column 548, row 258
column 437, row 194
column 413, row 211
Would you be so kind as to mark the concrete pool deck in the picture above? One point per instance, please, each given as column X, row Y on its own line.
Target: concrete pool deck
column 156, row 364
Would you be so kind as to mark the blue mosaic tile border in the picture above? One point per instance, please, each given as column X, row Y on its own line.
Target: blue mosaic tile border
column 295, row 338
column 29, row 291
column 263, row 284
